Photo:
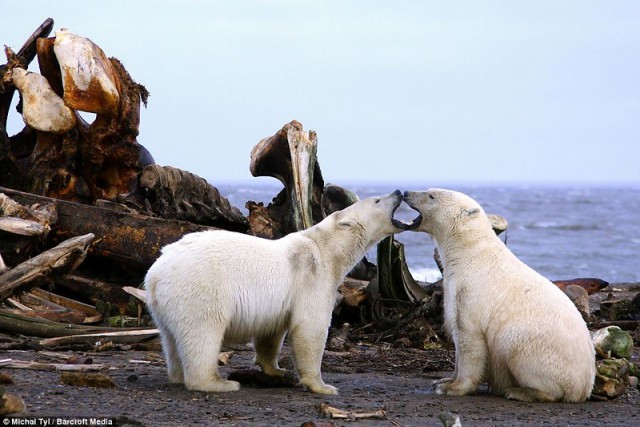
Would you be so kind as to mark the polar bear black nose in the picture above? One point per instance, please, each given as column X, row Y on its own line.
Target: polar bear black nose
column 397, row 193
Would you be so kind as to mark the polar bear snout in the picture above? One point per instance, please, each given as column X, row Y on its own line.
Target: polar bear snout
column 415, row 223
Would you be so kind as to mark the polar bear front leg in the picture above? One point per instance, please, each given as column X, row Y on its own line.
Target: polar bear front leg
column 267, row 353
column 308, row 347
column 471, row 360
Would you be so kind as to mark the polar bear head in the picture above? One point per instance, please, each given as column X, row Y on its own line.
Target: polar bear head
column 444, row 213
column 369, row 219
column 375, row 214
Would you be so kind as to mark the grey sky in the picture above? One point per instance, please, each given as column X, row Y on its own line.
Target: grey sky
column 396, row 90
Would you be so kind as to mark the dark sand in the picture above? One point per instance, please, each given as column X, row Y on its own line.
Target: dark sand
column 400, row 381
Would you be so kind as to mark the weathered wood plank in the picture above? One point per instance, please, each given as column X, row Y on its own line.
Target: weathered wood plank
column 129, row 238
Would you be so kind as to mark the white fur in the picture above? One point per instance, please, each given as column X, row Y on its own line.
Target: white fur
column 511, row 326
column 218, row 286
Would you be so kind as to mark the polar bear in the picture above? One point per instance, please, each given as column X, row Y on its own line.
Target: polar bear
column 511, row 327
column 216, row 287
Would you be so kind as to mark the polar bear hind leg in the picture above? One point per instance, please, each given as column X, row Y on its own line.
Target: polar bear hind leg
column 199, row 351
column 172, row 357
column 267, row 353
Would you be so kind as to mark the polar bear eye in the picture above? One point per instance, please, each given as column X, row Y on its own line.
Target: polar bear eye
column 431, row 197
column 377, row 200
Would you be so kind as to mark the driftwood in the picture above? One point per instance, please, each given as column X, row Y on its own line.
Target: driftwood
column 40, row 366
column 55, row 262
column 132, row 240
column 341, row 414
column 591, row 285
column 91, row 314
column 96, row 291
column 18, row 324
column 116, row 337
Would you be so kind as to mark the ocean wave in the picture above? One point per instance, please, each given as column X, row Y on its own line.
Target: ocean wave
column 426, row 274
column 550, row 225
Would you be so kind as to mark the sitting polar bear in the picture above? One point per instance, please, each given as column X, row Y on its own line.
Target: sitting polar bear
column 510, row 326
column 216, row 287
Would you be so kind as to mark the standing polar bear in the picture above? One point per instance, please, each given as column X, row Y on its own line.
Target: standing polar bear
column 510, row 326
column 216, row 287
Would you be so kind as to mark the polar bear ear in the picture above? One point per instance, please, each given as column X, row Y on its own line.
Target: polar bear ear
column 346, row 223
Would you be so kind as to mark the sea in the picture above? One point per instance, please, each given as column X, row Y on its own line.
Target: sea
column 564, row 231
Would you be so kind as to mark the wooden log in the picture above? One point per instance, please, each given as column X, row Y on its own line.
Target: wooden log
column 91, row 314
column 131, row 239
column 97, row 292
column 140, row 294
column 40, row 366
column 64, row 316
column 17, row 324
column 50, row 310
column 590, row 284
column 117, row 337
column 23, row 227
column 55, row 262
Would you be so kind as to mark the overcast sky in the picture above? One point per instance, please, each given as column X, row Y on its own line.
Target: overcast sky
column 471, row 91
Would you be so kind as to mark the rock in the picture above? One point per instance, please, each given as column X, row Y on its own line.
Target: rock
column 5, row 378
column 613, row 341
column 449, row 420
column 612, row 378
column 10, row 403
column 580, row 298
column 613, row 368
column 608, row 388
column 83, row 379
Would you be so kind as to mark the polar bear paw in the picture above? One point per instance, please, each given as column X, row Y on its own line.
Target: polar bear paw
column 275, row 372
column 525, row 394
column 452, row 388
column 218, row 386
column 322, row 389
column 443, row 381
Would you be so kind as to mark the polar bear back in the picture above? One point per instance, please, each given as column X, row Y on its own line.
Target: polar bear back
column 252, row 294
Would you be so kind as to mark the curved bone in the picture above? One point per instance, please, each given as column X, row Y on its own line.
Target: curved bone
column 42, row 109
column 290, row 157
column 88, row 77
column 303, row 148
